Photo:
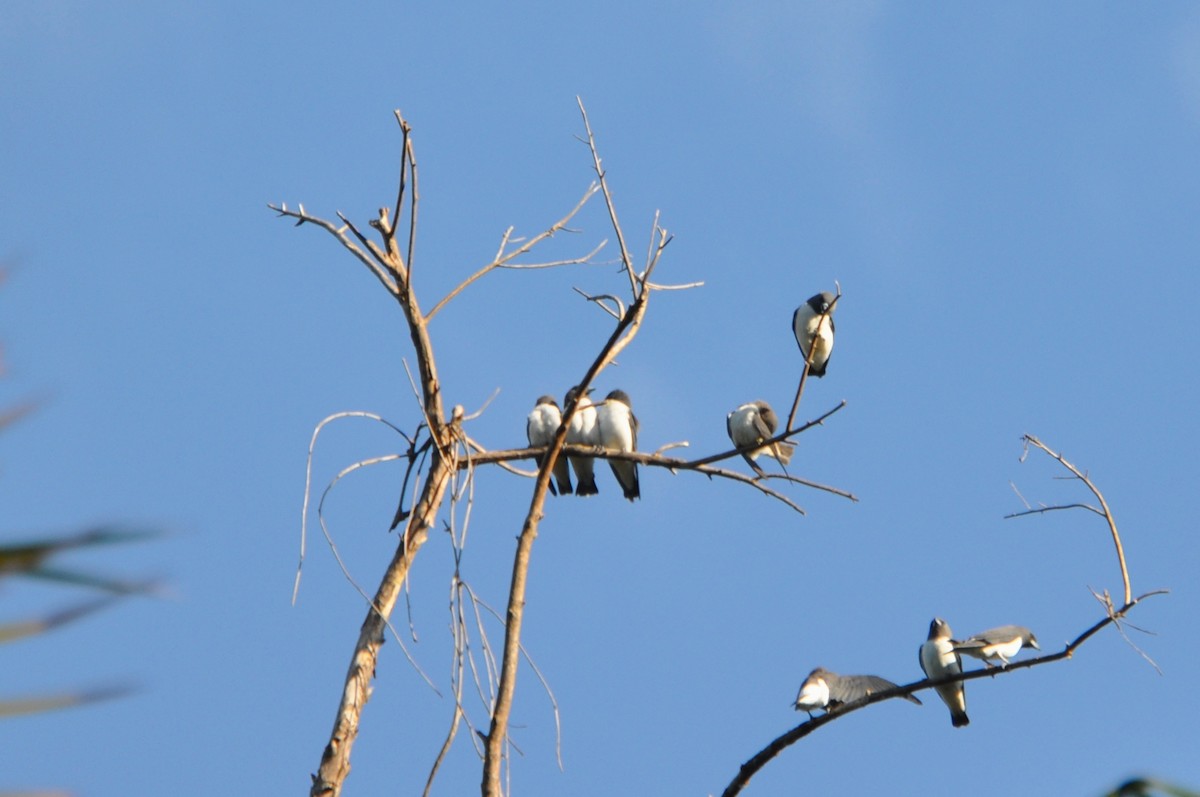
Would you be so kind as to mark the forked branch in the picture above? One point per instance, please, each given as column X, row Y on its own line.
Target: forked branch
column 394, row 270
column 1104, row 511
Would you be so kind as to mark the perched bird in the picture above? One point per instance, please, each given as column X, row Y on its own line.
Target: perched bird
column 617, row 429
column 828, row 690
column 812, row 323
column 751, row 424
column 998, row 643
column 540, row 428
column 582, row 431
column 939, row 660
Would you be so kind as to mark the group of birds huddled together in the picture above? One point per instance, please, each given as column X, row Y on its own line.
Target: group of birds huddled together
column 940, row 657
column 612, row 425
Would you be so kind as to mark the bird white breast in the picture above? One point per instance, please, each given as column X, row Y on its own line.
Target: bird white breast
column 814, row 694
column 543, row 423
column 742, row 426
column 583, row 425
column 938, row 658
column 817, row 332
column 1002, row 650
column 614, row 426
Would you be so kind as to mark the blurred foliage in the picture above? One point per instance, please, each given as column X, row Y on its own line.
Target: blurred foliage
column 37, row 559
column 1150, row 787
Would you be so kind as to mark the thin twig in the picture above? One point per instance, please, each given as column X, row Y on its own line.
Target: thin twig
column 346, row 570
column 1106, row 512
column 308, row 478
column 1040, row 510
column 502, row 260
column 381, row 273
column 600, row 302
column 626, row 260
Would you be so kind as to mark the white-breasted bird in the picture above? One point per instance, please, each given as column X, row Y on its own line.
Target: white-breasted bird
column 617, row 429
column 540, row 428
column 828, row 690
column 812, row 324
column 749, row 425
column 939, row 660
column 582, row 431
column 1000, row 643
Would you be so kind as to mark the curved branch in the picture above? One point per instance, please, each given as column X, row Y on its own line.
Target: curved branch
column 1106, row 513
column 780, row 743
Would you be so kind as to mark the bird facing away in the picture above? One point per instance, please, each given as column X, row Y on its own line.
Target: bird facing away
column 617, row 429
column 998, row 643
column 543, row 423
column 812, row 324
column 582, row 431
column 939, row 660
column 828, row 690
column 749, row 425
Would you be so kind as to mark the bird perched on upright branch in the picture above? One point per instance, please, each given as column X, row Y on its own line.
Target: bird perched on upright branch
column 812, row 324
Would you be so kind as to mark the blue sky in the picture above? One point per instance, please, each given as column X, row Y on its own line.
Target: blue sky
column 1008, row 197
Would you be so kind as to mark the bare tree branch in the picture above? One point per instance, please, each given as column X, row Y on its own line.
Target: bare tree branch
column 393, row 273
column 379, row 271
column 308, row 479
column 1104, row 511
column 502, row 260
column 760, row 759
column 1040, row 510
column 447, row 448
column 626, row 260
column 1113, row 616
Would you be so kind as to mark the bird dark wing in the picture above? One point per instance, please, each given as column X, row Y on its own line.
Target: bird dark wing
column 763, row 431
column 1002, row 633
column 848, row 688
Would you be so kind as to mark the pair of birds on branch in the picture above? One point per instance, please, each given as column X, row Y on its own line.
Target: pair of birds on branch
column 613, row 426
column 752, row 424
column 940, row 657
